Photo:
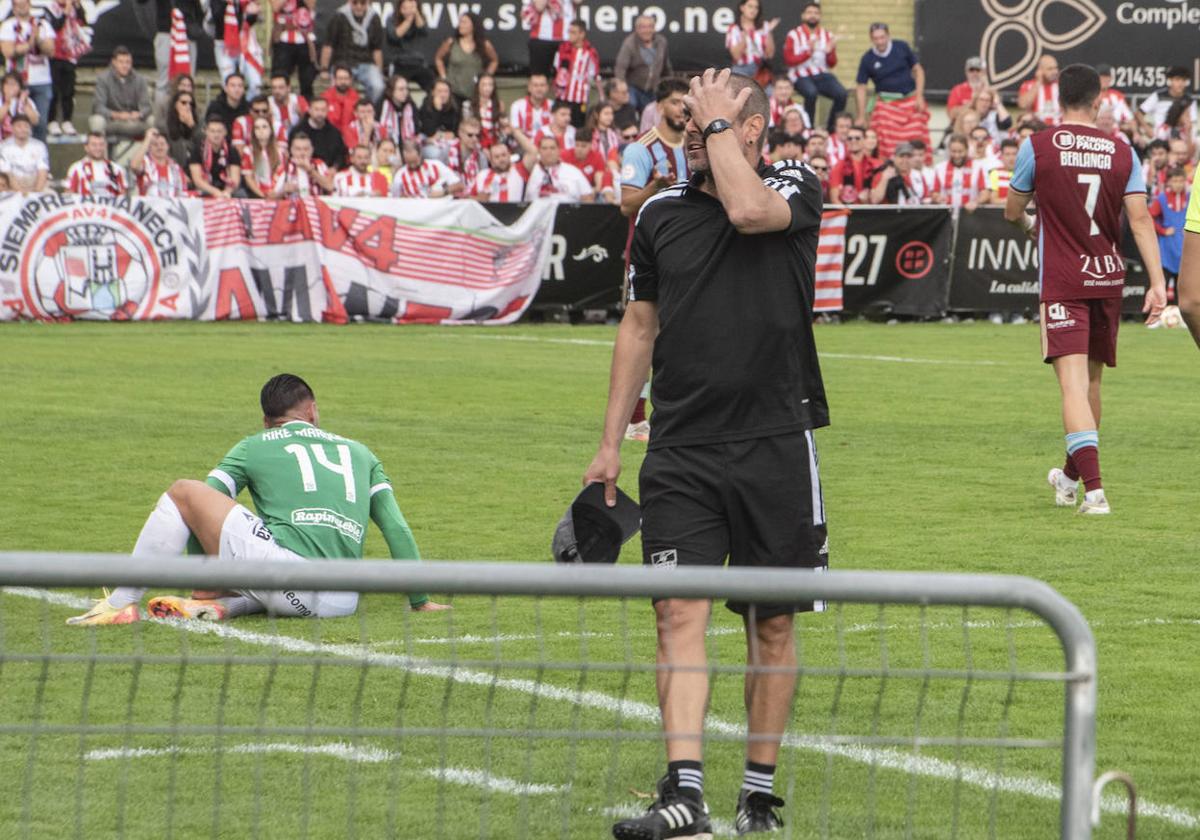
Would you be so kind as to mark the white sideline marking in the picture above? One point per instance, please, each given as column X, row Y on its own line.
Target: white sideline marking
column 465, row 776
column 919, row 765
column 592, row 342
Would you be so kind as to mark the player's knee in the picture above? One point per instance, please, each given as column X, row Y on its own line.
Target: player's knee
column 680, row 615
column 775, row 633
column 182, row 490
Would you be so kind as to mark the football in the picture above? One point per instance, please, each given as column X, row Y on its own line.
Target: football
column 1171, row 317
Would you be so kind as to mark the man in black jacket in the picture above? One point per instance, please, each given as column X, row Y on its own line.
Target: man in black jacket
column 193, row 16
column 230, row 103
column 328, row 145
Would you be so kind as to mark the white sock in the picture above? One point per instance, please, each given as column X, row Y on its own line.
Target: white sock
column 164, row 534
column 1067, row 483
column 1096, row 495
column 239, row 605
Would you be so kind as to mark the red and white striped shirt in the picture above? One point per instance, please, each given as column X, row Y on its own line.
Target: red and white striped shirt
column 399, row 123
column 998, row 180
column 1045, row 104
column 809, row 52
column 96, row 178
column 1115, row 100
column 959, row 185
column 779, row 109
column 487, row 122
column 242, row 131
column 529, row 117
column 161, row 180
column 350, row 183
column 468, row 165
column 357, row 134
column 295, row 22
column 551, row 23
column 835, row 150
column 491, row 185
column 566, row 140
column 755, row 41
column 289, row 173
column 260, row 171
column 575, row 69
column 290, row 112
column 561, row 180
column 422, row 181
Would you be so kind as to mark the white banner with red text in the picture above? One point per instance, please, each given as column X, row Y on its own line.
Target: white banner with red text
column 440, row 261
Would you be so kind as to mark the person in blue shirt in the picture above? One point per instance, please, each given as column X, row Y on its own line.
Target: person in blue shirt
column 892, row 66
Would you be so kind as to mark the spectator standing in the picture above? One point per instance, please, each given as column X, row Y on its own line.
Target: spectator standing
column 464, row 154
column 232, row 49
column 503, row 181
column 230, row 103
column 960, row 181
column 465, row 56
column 549, row 176
column 616, row 92
column 998, row 178
column 532, row 111
column 95, row 174
column 1156, row 107
column 963, row 93
column 14, row 100
column 898, row 182
column 810, row 52
column 423, row 178
column 72, row 41
column 892, row 67
column 363, row 130
column 485, row 106
column 357, row 180
column 403, row 37
column 193, row 18
column 576, row 70
column 851, row 178
column 27, row 43
column 342, row 96
column 286, row 107
column 1039, row 95
column 301, row 173
column 261, row 159
column 398, row 113
column 294, row 42
column 355, row 38
column 24, row 160
column 547, row 22
column 155, row 174
column 180, row 127
column 750, row 41
column 1169, row 213
column 215, row 172
column 642, row 61
column 439, row 115
column 328, row 145
column 121, row 101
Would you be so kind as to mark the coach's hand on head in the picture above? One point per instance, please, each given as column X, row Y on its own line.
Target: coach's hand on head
column 711, row 98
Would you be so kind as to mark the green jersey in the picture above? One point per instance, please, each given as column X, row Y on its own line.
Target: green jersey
column 313, row 489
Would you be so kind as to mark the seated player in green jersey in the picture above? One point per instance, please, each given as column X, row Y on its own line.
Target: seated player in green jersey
column 314, row 492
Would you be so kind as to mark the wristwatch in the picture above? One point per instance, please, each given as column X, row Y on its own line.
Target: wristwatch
column 716, row 127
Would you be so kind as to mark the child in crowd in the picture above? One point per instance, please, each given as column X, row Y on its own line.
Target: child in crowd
column 1169, row 211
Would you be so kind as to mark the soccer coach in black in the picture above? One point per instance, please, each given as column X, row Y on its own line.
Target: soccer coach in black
column 721, row 299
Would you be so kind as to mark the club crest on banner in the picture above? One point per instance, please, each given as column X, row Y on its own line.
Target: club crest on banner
column 1026, row 22
column 99, row 265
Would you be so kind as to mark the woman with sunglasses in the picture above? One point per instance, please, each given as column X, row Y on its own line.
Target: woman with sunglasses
column 181, row 127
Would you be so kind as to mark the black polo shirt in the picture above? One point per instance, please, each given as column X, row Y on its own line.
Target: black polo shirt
column 735, row 357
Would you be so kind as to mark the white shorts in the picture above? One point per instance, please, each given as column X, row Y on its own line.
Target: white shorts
column 245, row 536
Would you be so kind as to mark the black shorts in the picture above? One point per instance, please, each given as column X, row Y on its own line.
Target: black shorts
column 757, row 502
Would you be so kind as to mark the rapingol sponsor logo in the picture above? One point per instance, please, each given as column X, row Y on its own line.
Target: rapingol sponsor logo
column 667, row 559
column 326, row 518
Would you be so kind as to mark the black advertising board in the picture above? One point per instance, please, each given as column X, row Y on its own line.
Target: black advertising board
column 897, row 261
column 996, row 267
column 1139, row 39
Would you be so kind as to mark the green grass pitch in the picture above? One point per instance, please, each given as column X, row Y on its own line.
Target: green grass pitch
column 936, row 461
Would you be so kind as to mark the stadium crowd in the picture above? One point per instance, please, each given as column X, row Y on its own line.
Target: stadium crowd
column 389, row 122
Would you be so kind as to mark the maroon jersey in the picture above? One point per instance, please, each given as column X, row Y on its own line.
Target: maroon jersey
column 1080, row 177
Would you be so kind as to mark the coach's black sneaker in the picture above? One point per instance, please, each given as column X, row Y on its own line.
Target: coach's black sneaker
column 756, row 812
column 673, row 814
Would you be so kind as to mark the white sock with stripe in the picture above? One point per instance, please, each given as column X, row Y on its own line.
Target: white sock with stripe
column 759, row 778
column 164, row 534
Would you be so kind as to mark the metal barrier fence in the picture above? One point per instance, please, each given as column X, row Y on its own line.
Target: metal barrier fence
column 539, row 690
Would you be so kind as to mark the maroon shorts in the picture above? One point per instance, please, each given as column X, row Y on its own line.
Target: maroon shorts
column 1081, row 326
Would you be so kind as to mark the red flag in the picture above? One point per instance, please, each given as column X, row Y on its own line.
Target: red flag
column 232, row 36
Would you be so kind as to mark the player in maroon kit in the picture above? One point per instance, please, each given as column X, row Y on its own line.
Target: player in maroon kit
column 1082, row 178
